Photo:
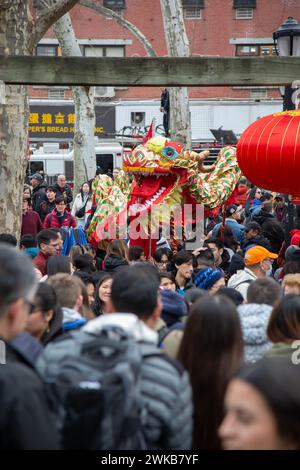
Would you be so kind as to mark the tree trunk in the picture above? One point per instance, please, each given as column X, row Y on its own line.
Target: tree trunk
column 178, row 46
column 19, row 33
column 13, row 120
column 84, row 140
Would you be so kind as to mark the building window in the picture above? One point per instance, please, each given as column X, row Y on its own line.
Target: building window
column 244, row 3
column 268, row 50
column 104, row 51
column 192, row 13
column 255, row 50
column 56, row 94
column 258, row 94
column 244, row 13
column 44, row 50
column 192, row 9
column 247, row 50
column 114, row 4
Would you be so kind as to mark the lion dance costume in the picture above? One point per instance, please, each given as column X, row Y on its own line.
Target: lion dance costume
column 158, row 174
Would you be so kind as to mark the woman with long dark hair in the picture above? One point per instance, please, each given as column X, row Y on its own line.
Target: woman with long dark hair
column 45, row 322
column 102, row 295
column 211, row 351
column 117, row 256
column 263, row 407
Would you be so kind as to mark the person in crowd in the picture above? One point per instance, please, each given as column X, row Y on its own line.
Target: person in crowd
column 84, row 263
column 162, row 257
column 116, row 171
column 69, row 298
column 28, row 243
column 233, row 217
column 204, row 259
column 63, row 189
column 116, row 258
column 101, row 304
column 262, row 295
column 262, row 405
column 8, row 238
column 57, row 264
column 210, row 279
column 258, row 263
column 77, row 250
column 136, row 307
column 230, row 243
column 273, row 231
column 284, row 326
column 253, row 203
column 291, row 284
column 183, row 261
column 89, row 283
column 171, row 324
column 47, row 206
column 38, row 191
column 167, row 280
column 243, row 190
column 26, row 423
column 192, row 295
column 221, row 255
column 82, row 205
column 232, row 294
column 253, row 236
column 59, row 217
column 165, row 109
column 295, row 234
column 45, row 321
column 264, row 214
column 293, row 264
column 31, row 222
column 49, row 245
column 280, row 210
column 136, row 254
column 285, row 256
column 211, row 351
column 27, row 192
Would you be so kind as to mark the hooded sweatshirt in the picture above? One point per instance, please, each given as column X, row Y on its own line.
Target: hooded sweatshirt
column 254, row 321
column 241, row 281
column 72, row 320
column 113, row 264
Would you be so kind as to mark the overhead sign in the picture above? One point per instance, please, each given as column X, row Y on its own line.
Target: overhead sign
column 57, row 122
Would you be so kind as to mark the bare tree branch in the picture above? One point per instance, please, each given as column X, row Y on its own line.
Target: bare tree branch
column 48, row 17
column 121, row 21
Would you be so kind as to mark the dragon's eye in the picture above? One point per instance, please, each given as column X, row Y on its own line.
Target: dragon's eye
column 170, row 152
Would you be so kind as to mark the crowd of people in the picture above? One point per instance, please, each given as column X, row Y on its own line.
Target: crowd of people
column 180, row 350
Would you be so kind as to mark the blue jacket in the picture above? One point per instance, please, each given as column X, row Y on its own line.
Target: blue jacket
column 236, row 228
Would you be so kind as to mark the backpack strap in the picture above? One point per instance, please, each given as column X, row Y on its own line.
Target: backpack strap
column 246, row 281
column 162, row 333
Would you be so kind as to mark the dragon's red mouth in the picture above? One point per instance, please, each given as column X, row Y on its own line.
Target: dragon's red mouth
column 150, row 190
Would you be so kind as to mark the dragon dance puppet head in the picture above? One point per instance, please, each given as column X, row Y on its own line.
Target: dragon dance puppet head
column 164, row 174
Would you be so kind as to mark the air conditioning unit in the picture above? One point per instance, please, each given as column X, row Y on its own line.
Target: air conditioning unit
column 138, row 118
column 104, row 92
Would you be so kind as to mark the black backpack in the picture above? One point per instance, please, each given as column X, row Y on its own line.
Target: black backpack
column 93, row 383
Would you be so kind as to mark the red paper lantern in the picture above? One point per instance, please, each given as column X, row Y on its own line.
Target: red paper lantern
column 268, row 152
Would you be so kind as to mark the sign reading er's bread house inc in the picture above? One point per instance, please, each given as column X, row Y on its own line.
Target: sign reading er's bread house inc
column 57, row 122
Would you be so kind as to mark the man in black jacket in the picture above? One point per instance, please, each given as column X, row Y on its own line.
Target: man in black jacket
column 38, row 192
column 63, row 189
column 25, row 420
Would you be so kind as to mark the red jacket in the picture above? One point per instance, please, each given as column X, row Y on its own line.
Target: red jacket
column 52, row 221
column 31, row 223
column 40, row 262
column 295, row 240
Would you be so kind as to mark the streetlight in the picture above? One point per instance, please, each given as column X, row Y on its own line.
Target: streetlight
column 287, row 43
